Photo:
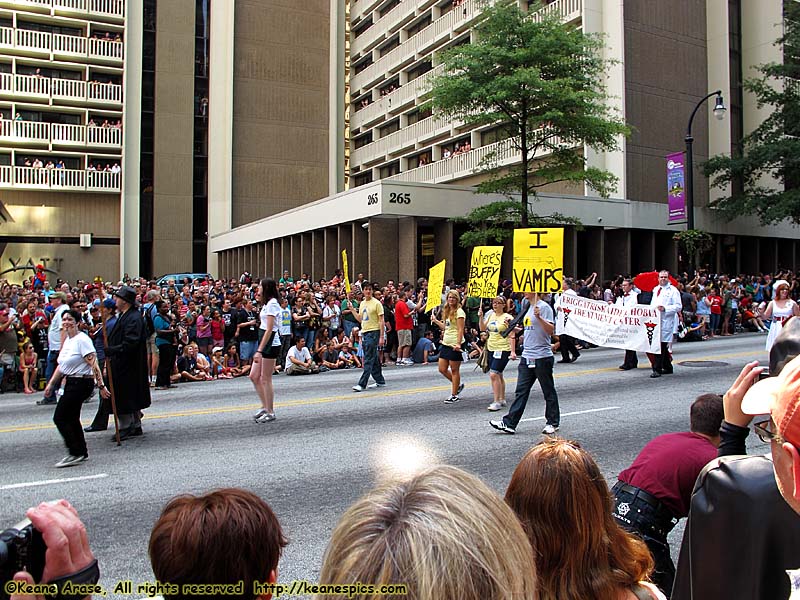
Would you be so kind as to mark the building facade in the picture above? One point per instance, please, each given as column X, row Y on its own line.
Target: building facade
column 399, row 173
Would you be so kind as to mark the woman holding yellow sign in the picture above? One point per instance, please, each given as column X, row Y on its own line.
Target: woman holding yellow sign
column 500, row 348
column 450, row 357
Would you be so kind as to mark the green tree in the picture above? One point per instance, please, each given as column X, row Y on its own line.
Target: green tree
column 540, row 82
column 772, row 150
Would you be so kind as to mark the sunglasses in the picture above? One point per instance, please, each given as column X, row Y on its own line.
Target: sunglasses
column 764, row 432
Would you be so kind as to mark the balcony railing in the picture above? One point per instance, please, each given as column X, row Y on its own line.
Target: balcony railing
column 59, row 179
column 31, row 85
column 6, row 83
column 42, row 42
column 384, row 25
column 59, row 134
column 105, row 92
column 406, row 137
column 106, row 8
column 68, row 89
column 396, row 99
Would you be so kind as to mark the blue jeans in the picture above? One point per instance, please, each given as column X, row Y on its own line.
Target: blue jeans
column 49, row 369
column 543, row 371
column 348, row 326
column 310, row 335
column 372, row 366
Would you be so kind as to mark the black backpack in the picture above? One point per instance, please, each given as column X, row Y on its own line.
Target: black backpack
column 149, row 326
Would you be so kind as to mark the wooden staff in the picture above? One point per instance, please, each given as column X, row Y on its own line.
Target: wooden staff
column 110, row 382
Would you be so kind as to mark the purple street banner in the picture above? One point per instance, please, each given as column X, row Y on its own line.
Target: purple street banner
column 676, row 188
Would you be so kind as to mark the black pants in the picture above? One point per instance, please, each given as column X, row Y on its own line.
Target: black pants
column 166, row 361
column 631, row 360
column 67, row 416
column 652, row 525
column 663, row 362
column 567, row 347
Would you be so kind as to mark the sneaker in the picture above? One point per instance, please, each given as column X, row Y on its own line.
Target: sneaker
column 70, row 461
column 550, row 429
column 258, row 415
column 46, row 402
column 500, row 425
column 460, row 388
column 266, row 417
column 374, row 385
column 495, row 406
column 358, row 388
column 452, row 400
column 408, row 361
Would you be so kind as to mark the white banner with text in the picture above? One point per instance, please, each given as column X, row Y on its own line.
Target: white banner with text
column 635, row 327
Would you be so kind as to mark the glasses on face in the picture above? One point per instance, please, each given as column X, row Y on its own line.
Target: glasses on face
column 765, row 433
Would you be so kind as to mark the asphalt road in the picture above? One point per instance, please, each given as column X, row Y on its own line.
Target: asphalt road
column 329, row 445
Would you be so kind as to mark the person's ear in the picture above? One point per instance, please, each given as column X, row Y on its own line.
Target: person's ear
column 793, row 453
column 273, row 578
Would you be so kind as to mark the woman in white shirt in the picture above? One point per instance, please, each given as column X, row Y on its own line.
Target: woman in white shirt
column 269, row 348
column 78, row 367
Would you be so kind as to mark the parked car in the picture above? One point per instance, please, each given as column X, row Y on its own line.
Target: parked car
column 180, row 277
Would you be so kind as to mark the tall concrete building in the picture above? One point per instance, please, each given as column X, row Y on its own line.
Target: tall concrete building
column 396, row 180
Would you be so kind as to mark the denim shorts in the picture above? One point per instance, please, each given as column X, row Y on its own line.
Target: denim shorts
column 498, row 361
column 247, row 349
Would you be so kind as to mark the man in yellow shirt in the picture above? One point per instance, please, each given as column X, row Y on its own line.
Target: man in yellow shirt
column 370, row 316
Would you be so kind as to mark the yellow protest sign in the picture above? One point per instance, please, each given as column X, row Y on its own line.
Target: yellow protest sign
column 435, row 285
column 344, row 268
column 484, row 271
column 538, row 260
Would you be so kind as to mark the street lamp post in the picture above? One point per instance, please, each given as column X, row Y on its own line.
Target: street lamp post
column 719, row 112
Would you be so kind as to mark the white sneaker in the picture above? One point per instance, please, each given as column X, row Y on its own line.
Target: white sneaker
column 358, row 388
column 452, row 400
column 495, row 406
column 259, row 414
column 549, row 429
column 500, row 425
column 266, row 417
column 408, row 361
column 70, row 461
column 374, row 385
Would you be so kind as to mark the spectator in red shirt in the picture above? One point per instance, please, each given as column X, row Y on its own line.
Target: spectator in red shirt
column 403, row 323
column 714, row 301
column 655, row 491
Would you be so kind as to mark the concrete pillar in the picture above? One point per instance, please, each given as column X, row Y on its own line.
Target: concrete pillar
column 360, row 251
column 443, row 245
column 286, row 255
column 748, row 260
column 407, row 264
column 295, row 252
column 318, row 255
column 383, row 249
column 266, row 263
column 257, row 268
column 305, row 255
column 617, row 252
column 570, row 253
column 333, row 256
column 276, row 259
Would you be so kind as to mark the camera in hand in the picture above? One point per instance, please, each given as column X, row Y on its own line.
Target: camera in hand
column 22, row 548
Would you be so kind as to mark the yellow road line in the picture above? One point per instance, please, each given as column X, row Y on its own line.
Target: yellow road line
column 351, row 396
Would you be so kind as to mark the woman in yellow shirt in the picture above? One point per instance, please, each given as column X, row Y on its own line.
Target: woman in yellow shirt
column 500, row 348
column 452, row 323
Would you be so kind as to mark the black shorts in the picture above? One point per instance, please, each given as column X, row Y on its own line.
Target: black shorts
column 271, row 351
column 447, row 353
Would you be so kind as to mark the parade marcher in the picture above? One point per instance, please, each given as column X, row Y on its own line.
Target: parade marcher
column 778, row 310
column 501, row 348
column 450, row 357
column 108, row 311
column 566, row 343
column 78, row 367
column 629, row 297
column 370, row 316
column 54, row 336
column 667, row 299
column 269, row 348
column 655, row 491
column 127, row 358
column 536, row 363
column 742, row 538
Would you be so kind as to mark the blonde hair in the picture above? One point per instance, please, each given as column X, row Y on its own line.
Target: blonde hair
column 443, row 533
column 448, row 312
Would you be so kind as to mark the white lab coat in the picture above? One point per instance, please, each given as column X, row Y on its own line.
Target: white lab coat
column 670, row 299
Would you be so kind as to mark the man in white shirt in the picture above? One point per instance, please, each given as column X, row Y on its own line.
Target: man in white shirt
column 54, row 340
column 629, row 297
column 667, row 299
column 298, row 359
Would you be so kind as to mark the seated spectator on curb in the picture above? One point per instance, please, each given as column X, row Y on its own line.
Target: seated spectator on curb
column 422, row 533
column 187, row 364
column 348, row 357
column 330, row 358
column 226, row 537
column 561, row 497
column 425, row 350
column 742, row 538
column 298, row 360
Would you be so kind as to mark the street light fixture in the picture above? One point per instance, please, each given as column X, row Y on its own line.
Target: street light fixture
column 719, row 113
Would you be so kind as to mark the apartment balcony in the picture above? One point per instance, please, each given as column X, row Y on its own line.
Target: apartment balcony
column 76, row 180
column 39, row 6
column 382, row 28
column 446, row 26
column 23, row 42
column 6, row 84
column 68, row 90
column 406, row 138
column 362, row 7
column 104, row 93
column 66, row 136
column 395, row 101
column 463, row 165
column 62, row 91
column 31, row 87
column 111, row 10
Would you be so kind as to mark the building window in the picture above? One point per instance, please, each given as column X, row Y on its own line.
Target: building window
column 420, row 25
column 388, row 8
column 390, row 169
column 419, row 70
column 363, row 140
column 390, row 128
column 362, row 26
column 498, row 134
column 391, row 45
column 418, row 115
column 362, row 179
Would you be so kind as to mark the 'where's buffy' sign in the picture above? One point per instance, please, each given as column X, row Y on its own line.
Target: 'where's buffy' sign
column 635, row 327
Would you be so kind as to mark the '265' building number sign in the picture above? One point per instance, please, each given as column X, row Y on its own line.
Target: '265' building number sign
column 394, row 198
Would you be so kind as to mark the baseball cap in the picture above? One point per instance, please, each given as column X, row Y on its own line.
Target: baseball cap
column 216, row 349
column 779, row 395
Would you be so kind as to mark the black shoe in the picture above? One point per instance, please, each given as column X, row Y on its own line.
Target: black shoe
column 46, row 402
column 565, row 360
column 92, row 429
column 574, row 358
column 667, row 372
column 124, row 434
column 136, row 432
column 655, row 374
